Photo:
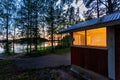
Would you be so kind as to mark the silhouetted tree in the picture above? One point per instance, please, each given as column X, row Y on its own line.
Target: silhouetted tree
column 8, row 7
column 102, row 6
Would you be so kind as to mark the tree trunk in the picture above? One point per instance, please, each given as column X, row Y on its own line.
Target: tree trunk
column 14, row 41
column 44, row 36
column 98, row 15
column 7, row 43
column 110, row 7
column 27, row 41
column 52, row 26
column 52, row 37
column 36, row 32
column 28, row 28
column 30, row 37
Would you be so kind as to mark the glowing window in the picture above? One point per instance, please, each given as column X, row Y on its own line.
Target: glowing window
column 96, row 37
column 79, row 38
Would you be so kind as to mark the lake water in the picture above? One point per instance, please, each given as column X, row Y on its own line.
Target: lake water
column 20, row 48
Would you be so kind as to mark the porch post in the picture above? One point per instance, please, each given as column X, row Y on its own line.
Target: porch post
column 71, row 39
column 111, row 52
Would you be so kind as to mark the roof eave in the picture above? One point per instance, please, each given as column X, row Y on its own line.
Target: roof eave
column 99, row 25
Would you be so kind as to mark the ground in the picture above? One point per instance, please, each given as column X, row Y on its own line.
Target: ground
column 59, row 73
column 51, row 67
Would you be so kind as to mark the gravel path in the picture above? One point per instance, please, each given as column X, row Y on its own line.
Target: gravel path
column 43, row 62
column 4, row 57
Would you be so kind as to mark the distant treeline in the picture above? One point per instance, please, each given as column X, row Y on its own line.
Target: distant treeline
column 25, row 40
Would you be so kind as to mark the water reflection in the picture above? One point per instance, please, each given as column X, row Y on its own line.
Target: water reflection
column 20, row 48
column 46, row 44
column 1, row 50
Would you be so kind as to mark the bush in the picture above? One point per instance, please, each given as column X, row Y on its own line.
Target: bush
column 66, row 41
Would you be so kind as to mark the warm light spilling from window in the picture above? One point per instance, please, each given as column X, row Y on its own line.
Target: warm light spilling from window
column 96, row 37
column 79, row 38
column 92, row 37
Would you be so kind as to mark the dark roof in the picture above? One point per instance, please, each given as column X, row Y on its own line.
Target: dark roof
column 106, row 20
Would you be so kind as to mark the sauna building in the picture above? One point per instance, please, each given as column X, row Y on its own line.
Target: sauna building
column 96, row 45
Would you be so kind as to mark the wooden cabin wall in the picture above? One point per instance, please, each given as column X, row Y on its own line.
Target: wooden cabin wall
column 90, row 58
column 117, row 53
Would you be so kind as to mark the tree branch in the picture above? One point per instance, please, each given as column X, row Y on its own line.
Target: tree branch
column 103, row 3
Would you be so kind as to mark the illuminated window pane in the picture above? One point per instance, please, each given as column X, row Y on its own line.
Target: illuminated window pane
column 96, row 37
column 79, row 38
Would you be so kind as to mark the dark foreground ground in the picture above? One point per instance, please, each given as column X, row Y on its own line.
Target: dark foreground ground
column 57, row 73
column 52, row 67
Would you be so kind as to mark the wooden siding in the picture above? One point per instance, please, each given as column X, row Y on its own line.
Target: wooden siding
column 90, row 58
column 117, row 52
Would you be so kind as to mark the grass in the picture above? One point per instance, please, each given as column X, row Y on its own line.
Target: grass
column 56, row 51
column 6, row 62
column 62, row 51
column 47, row 51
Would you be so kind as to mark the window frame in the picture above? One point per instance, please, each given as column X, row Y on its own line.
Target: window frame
column 85, row 45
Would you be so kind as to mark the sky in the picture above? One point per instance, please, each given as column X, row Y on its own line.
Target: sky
column 79, row 5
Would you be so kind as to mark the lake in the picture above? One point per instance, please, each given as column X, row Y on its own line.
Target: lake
column 21, row 48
